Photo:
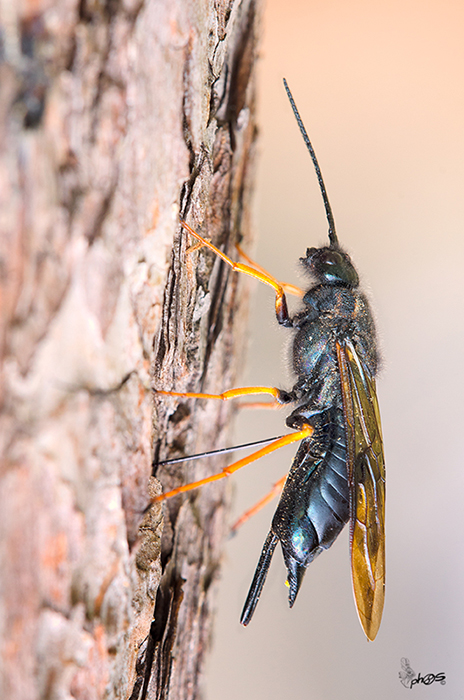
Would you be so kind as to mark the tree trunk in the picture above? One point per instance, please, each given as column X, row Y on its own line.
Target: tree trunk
column 116, row 119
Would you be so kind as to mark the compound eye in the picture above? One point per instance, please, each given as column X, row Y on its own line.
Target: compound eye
column 330, row 261
column 331, row 266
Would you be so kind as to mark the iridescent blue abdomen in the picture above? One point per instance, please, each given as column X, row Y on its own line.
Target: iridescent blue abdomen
column 314, row 505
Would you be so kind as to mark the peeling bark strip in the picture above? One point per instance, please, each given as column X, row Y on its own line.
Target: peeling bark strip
column 115, row 118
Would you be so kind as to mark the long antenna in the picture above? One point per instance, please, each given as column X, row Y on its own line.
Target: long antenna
column 221, row 451
column 328, row 210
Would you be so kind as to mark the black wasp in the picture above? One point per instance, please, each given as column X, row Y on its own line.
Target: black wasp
column 338, row 473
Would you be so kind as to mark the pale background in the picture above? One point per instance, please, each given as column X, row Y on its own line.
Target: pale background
column 380, row 88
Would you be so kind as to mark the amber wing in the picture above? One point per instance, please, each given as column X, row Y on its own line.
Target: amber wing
column 366, row 476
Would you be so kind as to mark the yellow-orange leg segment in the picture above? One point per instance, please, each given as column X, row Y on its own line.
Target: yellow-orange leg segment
column 273, row 493
column 286, row 286
column 226, row 395
column 269, row 405
column 306, row 432
column 280, row 303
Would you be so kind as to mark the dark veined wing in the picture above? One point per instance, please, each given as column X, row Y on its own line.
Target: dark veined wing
column 366, row 478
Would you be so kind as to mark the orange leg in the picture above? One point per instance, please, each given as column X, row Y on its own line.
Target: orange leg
column 282, row 316
column 276, row 489
column 227, row 395
column 306, row 432
column 288, row 288
column 280, row 303
column 269, row 405
column 194, row 247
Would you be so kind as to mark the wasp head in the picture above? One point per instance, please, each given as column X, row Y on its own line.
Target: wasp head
column 330, row 266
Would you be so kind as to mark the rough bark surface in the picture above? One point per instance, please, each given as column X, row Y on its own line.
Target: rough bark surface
column 116, row 118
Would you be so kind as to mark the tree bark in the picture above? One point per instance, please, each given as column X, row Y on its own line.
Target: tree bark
column 116, row 119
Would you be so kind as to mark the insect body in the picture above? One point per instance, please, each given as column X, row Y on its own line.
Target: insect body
column 338, row 470
column 338, row 473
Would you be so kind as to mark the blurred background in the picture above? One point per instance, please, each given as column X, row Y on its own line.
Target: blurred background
column 380, row 88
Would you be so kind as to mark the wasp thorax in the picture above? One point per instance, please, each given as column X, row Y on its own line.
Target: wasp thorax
column 331, row 266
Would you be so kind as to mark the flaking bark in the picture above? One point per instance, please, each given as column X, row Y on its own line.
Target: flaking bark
column 116, row 119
